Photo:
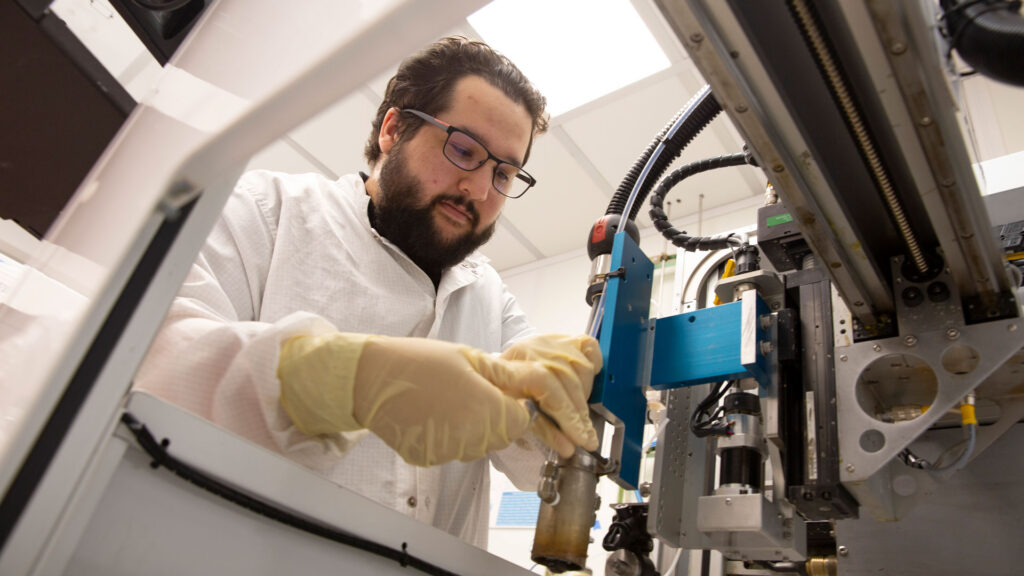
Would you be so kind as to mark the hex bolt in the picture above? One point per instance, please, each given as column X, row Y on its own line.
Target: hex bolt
column 952, row 333
column 910, row 340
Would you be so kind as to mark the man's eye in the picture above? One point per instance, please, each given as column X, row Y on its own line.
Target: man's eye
column 503, row 176
column 460, row 151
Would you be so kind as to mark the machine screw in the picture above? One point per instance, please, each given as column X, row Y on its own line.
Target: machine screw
column 926, row 121
column 851, row 468
column 766, row 348
column 778, row 168
column 844, row 551
column 899, row 48
column 696, row 37
column 728, row 501
column 645, row 489
column 876, row 348
column 952, row 333
column 1011, row 327
column 843, row 358
column 741, row 108
column 910, row 340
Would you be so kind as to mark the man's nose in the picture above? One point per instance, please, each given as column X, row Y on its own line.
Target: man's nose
column 476, row 185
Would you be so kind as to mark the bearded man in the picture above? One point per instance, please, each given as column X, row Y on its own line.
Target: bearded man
column 351, row 325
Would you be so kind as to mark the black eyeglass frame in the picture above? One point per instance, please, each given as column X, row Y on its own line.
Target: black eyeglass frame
column 449, row 130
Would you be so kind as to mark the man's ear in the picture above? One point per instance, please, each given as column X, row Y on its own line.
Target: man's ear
column 388, row 131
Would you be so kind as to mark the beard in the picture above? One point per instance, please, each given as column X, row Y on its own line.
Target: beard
column 407, row 222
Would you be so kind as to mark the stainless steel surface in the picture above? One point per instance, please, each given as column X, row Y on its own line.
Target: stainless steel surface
column 767, row 283
column 563, row 527
column 747, row 526
column 948, row 188
column 746, row 432
column 969, row 524
column 864, row 141
column 679, row 472
column 718, row 45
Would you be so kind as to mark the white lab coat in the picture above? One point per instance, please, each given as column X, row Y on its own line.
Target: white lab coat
column 296, row 254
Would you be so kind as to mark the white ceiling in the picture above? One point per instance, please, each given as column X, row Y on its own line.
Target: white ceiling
column 587, row 151
column 578, row 164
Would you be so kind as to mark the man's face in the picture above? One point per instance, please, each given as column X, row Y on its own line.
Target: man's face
column 434, row 211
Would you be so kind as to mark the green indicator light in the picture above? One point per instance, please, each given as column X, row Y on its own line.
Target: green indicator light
column 780, row 219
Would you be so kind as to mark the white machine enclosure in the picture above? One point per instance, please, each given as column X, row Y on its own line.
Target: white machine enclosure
column 78, row 323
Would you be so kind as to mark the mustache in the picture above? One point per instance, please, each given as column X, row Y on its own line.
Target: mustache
column 459, row 201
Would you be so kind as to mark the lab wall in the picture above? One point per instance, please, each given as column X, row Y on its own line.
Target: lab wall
column 551, row 291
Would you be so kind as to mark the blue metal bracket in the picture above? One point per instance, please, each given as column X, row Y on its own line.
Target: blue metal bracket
column 712, row 345
column 618, row 389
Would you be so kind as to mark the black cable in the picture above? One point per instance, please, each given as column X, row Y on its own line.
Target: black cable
column 712, row 424
column 660, row 219
column 700, row 111
column 161, row 6
column 158, row 452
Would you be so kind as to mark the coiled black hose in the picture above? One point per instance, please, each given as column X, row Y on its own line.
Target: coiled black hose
column 988, row 35
column 703, row 108
column 680, row 238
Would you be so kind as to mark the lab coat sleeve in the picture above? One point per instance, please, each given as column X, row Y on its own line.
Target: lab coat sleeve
column 521, row 462
column 214, row 358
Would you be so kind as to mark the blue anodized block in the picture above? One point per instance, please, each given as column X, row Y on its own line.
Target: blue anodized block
column 712, row 344
column 618, row 389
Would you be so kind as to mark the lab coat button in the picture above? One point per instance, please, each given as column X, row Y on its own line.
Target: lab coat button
column 411, row 501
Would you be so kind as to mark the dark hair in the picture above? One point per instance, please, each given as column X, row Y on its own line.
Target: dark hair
column 426, row 80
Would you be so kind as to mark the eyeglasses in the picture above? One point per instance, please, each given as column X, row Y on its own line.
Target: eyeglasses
column 468, row 154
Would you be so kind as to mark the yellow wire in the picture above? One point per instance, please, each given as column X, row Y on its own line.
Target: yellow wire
column 730, row 269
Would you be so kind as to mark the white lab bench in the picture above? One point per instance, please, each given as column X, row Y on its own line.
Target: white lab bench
column 132, row 518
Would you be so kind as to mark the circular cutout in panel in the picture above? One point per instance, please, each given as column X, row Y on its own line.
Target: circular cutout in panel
column 872, row 441
column 960, row 359
column 894, row 388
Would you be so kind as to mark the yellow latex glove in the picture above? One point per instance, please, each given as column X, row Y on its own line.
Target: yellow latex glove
column 430, row 401
column 561, row 390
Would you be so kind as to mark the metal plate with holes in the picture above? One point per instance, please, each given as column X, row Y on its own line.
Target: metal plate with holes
column 934, row 369
column 679, row 471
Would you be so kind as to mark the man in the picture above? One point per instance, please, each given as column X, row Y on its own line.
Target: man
column 351, row 326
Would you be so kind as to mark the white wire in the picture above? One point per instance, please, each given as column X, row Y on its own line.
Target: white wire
column 675, row 562
column 691, row 105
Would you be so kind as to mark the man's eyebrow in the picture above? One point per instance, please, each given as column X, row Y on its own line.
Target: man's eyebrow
column 516, row 163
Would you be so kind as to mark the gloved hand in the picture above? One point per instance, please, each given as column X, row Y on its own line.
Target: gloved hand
column 430, row 401
column 561, row 391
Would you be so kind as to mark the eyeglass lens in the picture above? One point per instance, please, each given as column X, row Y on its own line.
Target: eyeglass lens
column 468, row 154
